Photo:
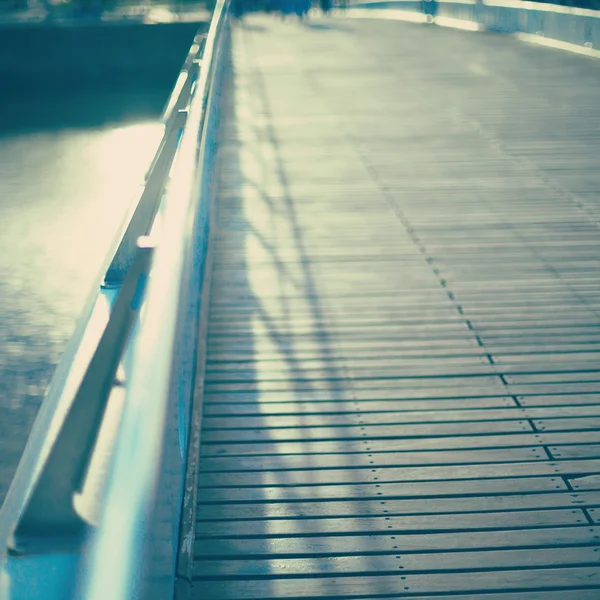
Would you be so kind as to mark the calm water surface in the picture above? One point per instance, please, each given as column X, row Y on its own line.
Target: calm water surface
column 64, row 188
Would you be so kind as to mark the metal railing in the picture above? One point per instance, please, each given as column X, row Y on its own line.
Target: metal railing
column 575, row 29
column 94, row 508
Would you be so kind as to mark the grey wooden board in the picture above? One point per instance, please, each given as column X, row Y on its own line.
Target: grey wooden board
column 530, row 439
column 492, row 296
column 579, row 594
column 559, row 387
column 403, row 392
column 547, row 359
column 244, row 409
column 400, row 366
column 421, row 505
column 398, row 417
column 384, row 474
column 390, row 348
column 386, row 431
column 394, row 544
column 563, row 377
column 326, row 526
column 334, row 371
column 253, row 356
column 365, row 587
column 559, row 400
column 368, row 460
column 463, row 383
column 235, row 323
column 381, row 491
column 572, row 424
column 579, row 451
column 435, row 388
column 409, row 563
column 280, row 364
column 408, row 327
column 405, row 370
column 255, row 398
column 458, row 332
column 590, row 482
column 455, row 328
column 241, row 320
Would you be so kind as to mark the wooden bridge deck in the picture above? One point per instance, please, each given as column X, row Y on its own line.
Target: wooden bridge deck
column 403, row 380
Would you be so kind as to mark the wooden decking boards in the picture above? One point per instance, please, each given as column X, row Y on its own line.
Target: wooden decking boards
column 402, row 391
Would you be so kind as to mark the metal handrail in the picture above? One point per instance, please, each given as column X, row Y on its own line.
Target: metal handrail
column 174, row 116
column 565, row 27
column 528, row 5
column 50, row 519
column 131, row 557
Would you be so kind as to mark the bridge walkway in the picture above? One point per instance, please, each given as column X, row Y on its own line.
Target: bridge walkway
column 402, row 394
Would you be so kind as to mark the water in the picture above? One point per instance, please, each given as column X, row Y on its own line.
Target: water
column 69, row 168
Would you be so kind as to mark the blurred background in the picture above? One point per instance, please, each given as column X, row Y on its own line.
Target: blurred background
column 140, row 9
column 41, row 10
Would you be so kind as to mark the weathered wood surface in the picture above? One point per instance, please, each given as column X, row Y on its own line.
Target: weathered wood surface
column 402, row 390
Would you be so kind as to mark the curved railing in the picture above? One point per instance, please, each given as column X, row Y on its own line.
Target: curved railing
column 95, row 508
column 575, row 29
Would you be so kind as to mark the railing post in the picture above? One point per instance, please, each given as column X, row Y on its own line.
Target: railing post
column 49, row 519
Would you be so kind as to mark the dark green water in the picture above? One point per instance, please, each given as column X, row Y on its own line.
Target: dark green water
column 70, row 165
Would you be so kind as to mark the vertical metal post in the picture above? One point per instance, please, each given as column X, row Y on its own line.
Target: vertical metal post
column 49, row 519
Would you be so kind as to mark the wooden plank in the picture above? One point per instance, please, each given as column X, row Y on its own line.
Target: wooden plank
column 449, row 317
column 224, row 464
column 349, row 418
column 243, row 409
column 451, row 320
column 530, row 439
column 366, row 369
column 365, row 587
column 421, row 505
column 251, row 355
column 373, row 431
column 477, row 366
column 594, row 514
column 575, row 377
column 559, row 400
column 381, row 491
column 438, row 391
column 332, row 371
column 407, row 330
column 563, row 358
column 407, row 303
column 207, row 570
column 590, row 482
column 354, row 525
column 465, row 384
column 544, row 335
column 407, row 327
column 571, row 424
column 578, row 594
column 392, row 311
column 315, row 547
column 561, row 387
column 380, row 366
column 443, row 473
column 320, row 363
column 575, row 451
